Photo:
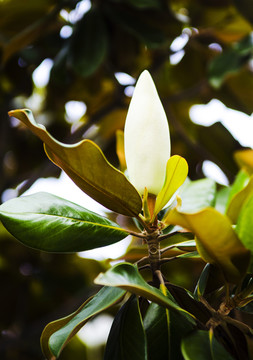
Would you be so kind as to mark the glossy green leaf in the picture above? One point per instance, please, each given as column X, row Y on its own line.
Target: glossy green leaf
column 127, row 277
column 179, row 328
column 46, row 222
column 176, row 173
column 202, row 282
column 157, row 328
column 202, row 345
column 88, row 43
column 58, row 333
column 197, row 195
column 216, row 240
column 241, row 180
column 238, row 200
column 221, row 199
column 87, row 166
column 127, row 338
column 244, row 227
column 165, row 330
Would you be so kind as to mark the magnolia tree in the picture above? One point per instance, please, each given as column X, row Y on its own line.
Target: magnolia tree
column 156, row 318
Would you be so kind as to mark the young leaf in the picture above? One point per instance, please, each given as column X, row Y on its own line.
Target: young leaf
column 120, row 149
column 244, row 227
column 127, row 338
column 216, row 241
column 197, row 195
column 238, row 200
column 241, row 180
column 244, row 159
column 58, row 333
column 46, row 222
column 221, row 199
column 127, row 277
column 202, row 345
column 176, row 173
column 87, row 166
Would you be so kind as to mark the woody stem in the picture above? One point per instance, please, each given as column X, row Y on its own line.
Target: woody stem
column 154, row 255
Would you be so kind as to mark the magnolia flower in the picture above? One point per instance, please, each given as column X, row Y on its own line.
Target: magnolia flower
column 147, row 137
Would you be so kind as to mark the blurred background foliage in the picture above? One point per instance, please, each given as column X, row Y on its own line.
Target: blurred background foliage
column 87, row 45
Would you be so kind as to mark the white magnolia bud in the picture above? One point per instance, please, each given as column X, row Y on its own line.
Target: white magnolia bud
column 147, row 137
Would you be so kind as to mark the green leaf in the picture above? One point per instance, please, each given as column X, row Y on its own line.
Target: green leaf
column 127, row 338
column 202, row 345
column 202, row 282
column 157, row 328
column 221, row 199
column 197, row 195
column 176, row 173
column 140, row 25
column 230, row 61
column 244, row 227
column 179, row 327
column 127, row 277
column 88, row 43
column 46, row 222
column 216, row 241
column 238, row 200
column 87, row 166
column 164, row 330
column 241, row 180
column 58, row 333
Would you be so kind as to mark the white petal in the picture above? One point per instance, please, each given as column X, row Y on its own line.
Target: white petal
column 147, row 137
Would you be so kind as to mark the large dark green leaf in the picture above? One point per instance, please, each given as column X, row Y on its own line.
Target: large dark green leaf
column 58, row 333
column 165, row 330
column 156, row 324
column 87, row 166
column 127, row 339
column 126, row 276
column 202, row 345
column 88, row 44
column 46, row 222
column 179, row 327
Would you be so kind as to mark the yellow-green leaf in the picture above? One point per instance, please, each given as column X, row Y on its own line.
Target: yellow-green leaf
column 87, row 166
column 238, row 200
column 176, row 173
column 217, row 242
column 120, row 149
column 244, row 159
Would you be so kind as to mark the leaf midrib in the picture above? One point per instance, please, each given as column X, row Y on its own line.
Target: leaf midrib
column 68, row 218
